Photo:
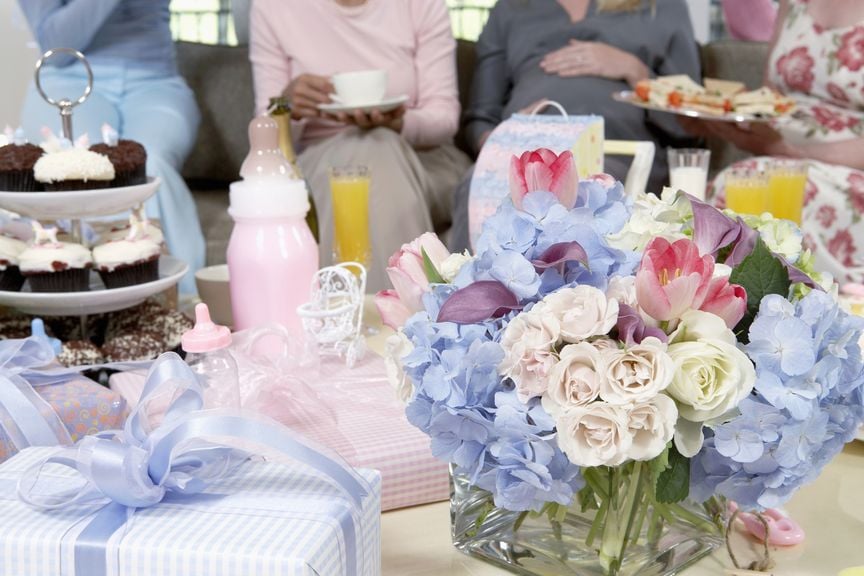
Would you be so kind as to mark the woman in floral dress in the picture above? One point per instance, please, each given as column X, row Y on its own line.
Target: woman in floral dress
column 817, row 58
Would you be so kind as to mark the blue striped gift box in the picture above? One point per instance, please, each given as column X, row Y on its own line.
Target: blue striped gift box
column 271, row 519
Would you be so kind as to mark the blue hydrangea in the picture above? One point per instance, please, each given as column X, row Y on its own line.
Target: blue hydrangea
column 472, row 415
column 807, row 403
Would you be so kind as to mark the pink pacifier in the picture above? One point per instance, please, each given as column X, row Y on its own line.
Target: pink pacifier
column 782, row 530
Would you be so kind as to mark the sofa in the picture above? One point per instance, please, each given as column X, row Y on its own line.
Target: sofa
column 221, row 78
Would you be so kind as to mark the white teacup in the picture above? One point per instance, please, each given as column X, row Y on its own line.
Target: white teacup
column 214, row 290
column 360, row 88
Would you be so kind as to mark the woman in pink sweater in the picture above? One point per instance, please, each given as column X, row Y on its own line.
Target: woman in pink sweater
column 296, row 46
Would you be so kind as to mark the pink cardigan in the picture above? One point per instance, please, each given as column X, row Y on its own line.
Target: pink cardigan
column 411, row 39
column 751, row 20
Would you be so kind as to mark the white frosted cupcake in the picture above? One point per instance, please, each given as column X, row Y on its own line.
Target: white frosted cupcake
column 73, row 169
column 131, row 260
column 137, row 218
column 52, row 266
column 10, row 275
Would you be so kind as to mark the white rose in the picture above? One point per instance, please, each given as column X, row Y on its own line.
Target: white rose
column 595, row 435
column 582, row 311
column 712, row 376
column 636, row 373
column 397, row 347
column 652, row 425
column 451, row 265
column 528, row 344
column 623, row 289
column 574, row 380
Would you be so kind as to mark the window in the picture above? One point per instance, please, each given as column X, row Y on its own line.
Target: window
column 204, row 21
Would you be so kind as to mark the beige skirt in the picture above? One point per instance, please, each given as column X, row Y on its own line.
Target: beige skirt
column 411, row 191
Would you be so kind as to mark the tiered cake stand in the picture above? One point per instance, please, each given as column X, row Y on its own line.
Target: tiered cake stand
column 75, row 206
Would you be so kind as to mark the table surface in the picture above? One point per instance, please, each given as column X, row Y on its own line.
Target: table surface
column 416, row 541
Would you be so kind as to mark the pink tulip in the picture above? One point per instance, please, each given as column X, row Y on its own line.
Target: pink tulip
column 728, row 301
column 672, row 278
column 393, row 312
column 408, row 276
column 544, row 170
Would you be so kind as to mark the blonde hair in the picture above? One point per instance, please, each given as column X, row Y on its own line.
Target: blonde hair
column 620, row 5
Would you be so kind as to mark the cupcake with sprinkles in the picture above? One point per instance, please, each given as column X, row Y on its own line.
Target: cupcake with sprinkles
column 128, row 261
column 53, row 266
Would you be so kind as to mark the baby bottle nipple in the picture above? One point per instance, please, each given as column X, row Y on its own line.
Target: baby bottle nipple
column 265, row 158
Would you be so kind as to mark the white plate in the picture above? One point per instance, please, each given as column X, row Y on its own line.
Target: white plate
column 78, row 203
column 385, row 105
column 99, row 299
column 630, row 97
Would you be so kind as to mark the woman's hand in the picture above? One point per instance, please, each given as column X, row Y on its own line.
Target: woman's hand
column 374, row 119
column 759, row 138
column 594, row 59
column 306, row 92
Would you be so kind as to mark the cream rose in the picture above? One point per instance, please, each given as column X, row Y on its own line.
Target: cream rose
column 451, row 265
column 574, row 380
column 635, row 374
column 396, row 347
column 595, row 435
column 528, row 343
column 652, row 425
column 582, row 311
column 712, row 376
column 622, row 289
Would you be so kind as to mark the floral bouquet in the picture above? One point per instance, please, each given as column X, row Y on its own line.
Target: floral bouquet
column 605, row 371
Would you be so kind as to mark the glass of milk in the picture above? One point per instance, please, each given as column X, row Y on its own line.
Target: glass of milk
column 688, row 170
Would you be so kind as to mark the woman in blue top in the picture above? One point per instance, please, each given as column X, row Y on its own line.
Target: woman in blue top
column 136, row 89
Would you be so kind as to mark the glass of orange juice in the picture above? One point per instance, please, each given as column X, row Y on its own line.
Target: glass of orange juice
column 349, row 187
column 788, row 181
column 747, row 191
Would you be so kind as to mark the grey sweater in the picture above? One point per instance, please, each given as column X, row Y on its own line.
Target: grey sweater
column 520, row 33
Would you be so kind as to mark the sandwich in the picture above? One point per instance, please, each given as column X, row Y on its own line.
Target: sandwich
column 761, row 102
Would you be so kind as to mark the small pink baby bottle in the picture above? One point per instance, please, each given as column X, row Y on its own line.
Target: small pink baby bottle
column 207, row 353
column 272, row 256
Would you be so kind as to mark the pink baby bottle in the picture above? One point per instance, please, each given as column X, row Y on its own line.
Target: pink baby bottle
column 272, row 256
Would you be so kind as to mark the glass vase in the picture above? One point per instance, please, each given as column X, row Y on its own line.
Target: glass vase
column 615, row 528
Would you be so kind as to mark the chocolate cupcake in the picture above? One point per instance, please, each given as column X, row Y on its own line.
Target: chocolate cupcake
column 15, row 327
column 128, row 157
column 137, row 217
column 131, row 348
column 16, row 167
column 74, row 169
column 52, row 266
column 10, row 274
column 132, row 260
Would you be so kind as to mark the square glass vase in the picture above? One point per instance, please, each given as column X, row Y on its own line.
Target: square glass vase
column 669, row 538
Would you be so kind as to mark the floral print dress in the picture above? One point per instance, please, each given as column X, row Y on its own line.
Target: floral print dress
column 823, row 70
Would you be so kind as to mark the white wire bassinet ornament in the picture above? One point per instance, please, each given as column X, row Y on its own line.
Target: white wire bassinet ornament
column 333, row 317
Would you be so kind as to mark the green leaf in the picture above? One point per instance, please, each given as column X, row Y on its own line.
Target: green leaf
column 660, row 463
column 432, row 274
column 673, row 484
column 761, row 273
column 587, row 501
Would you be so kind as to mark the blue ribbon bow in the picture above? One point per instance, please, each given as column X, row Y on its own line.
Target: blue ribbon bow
column 138, row 466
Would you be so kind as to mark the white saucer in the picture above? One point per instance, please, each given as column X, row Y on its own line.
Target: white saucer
column 385, row 105
column 78, row 203
column 98, row 299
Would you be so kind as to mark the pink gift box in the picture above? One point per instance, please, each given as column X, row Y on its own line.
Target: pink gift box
column 357, row 415
column 84, row 406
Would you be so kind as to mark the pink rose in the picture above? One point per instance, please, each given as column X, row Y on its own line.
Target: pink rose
column 842, row 247
column 544, row 170
column 728, row 301
column 827, row 214
column 672, row 278
column 833, row 121
column 856, row 191
column 837, row 93
column 408, row 277
column 851, row 52
column 796, row 68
